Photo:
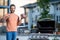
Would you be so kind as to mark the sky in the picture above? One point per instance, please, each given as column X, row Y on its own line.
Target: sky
column 20, row 3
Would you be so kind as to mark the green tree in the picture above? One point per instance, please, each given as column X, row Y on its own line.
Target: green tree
column 44, row 5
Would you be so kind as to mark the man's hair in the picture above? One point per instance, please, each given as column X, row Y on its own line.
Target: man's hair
column 12, row 5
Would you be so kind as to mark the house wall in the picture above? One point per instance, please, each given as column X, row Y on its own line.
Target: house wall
column 51, row 9
column 29, row 19
column 33, row 14
column 57, row 12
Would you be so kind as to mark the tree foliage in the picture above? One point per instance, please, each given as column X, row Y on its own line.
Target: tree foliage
column 44, row 4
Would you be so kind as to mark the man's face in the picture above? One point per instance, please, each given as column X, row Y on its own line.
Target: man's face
column 12, row 9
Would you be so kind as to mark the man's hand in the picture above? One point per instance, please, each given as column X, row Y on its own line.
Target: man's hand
column 23, row 16
column 1, row 17
column 6, row 17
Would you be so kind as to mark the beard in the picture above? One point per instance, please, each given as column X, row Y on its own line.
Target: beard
column 12, row 11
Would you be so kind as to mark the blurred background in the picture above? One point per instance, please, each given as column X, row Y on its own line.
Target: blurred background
column 43, row 17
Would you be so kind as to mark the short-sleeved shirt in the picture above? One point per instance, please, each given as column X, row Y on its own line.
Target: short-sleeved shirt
column 12, row 22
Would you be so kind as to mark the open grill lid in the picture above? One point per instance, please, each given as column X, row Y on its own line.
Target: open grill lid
column 47, row 22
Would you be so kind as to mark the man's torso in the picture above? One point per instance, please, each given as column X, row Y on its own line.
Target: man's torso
column 12, row 22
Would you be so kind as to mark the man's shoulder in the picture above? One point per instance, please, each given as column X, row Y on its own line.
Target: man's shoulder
column 7, row 14
column 16, row 15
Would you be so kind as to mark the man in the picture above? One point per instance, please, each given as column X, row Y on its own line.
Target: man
column 12, row 21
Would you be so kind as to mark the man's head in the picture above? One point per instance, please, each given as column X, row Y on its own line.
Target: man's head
column 12, row 8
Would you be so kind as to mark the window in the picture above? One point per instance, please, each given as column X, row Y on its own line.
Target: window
column 32, row 11
column 2, row 13
column 38, row 10
column 4, row 9
column 3, row 2
column 58, row 19
column 56, row 8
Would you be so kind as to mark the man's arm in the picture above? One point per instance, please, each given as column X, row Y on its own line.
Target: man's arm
column 19, row 21
column 6, row 17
